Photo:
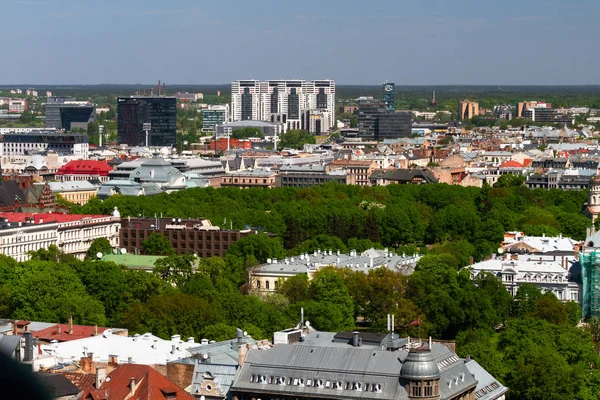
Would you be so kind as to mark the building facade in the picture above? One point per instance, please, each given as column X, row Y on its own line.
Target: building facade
column 160, row 112
column 389, row 96
column 17, row 105
column 66, row 113
column 368, row 112
column 19, row 144
column 213, row 116
column 467, row 109
column 288, row 99
column 311, row 175
column 394, row 125
column 21, row 233
column 187, row 236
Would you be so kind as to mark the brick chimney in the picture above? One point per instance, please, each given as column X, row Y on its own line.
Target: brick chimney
column 58, row 330
column 71, row 325
column 132, row 387
column 96, row 330
column 242, row 351
column 100, row 376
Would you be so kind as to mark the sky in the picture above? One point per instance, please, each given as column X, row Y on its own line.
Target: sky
column 434, row 42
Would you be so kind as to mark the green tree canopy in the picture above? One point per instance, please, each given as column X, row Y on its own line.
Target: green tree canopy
column 157, row 244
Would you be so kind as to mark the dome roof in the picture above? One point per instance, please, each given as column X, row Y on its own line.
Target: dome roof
column 419, row 364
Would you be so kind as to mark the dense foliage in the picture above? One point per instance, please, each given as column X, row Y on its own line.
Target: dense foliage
column 528, row 342
column 393, row 216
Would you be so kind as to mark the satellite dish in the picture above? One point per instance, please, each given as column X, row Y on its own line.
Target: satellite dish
column 123, row 250
column 99, row 254
column 307, row 324
column 500, row 250
column 245, row 333
column 205, row 356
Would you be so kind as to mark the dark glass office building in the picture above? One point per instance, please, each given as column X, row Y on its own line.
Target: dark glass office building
column 160, row 112
column 393, row 126
column 368, row 112
column 389, row 96
column 61, row 114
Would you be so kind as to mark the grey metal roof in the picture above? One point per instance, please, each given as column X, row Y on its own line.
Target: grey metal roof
column 419, row 364
column 488, row 387
column 222, row 375
column 9, row 344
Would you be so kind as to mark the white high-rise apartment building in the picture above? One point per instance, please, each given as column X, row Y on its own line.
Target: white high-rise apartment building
column 282, row 101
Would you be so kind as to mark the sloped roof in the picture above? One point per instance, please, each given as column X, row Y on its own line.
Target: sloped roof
column 151, row 385
column 79, row 332
column 9, row 192
column 58, row 385
column 85, row 167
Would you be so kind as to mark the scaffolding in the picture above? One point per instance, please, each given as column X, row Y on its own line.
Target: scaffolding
column 590, row 276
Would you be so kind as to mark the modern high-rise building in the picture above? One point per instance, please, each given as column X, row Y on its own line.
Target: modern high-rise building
column 393, row 126
column 389, row 96
column 67, row 113
column 467, row 109
column 282, row 100
column 160, row 112
column 214, row 115
column 369, row 110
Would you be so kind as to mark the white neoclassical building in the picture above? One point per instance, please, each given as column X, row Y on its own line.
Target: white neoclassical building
column 546, row 275
column 21, row 233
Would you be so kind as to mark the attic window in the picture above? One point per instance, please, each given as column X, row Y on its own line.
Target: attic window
column 169, row 393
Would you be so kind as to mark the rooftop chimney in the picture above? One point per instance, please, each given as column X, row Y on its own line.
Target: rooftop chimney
column 28, row 356
column 100, row 376
column 71, row 325
column 242, row 351
column 58, row 328
column 355, row 339
column 96, row 330
column 132, row 387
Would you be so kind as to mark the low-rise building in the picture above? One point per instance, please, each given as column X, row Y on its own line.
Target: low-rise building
column 414, row 176
column 311, row 175
column 361, row 170
column 84, row 170
column 263, row 278
column 17, row 105
column 21, row 233
column 191, row 236
column 78, row 192
column 44, row 140
column 250, row 178
column 353, row 365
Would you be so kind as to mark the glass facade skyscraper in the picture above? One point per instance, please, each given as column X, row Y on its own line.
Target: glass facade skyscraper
column 160, row 112
column 389, row 96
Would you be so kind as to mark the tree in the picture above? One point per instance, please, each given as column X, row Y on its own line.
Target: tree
column 328, row 287
column 52, row 253
column 175, row 269
column 296, row 139
column 98, row 245
column 525, row 299
column 157, row 244
column 248, row 132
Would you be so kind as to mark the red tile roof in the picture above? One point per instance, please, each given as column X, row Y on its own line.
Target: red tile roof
column 511, row 164
column 80, row 379
column 47, row 218
column 149, row 385
column 79, row 332
column 85, row 167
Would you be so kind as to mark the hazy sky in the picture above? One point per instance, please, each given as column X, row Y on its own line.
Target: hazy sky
column 353, row 42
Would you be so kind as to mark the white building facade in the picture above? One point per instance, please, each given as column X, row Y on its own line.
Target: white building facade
column 282, row 100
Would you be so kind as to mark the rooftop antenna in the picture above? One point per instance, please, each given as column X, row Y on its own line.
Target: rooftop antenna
column 389, row 324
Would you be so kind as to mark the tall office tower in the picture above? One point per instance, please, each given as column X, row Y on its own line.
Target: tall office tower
column 67, row 113
column 393, row 125
column 467, row 109
column 159, row 112
column 283, row 100
column 369, row 110
column 389, row 96
column 245, row 100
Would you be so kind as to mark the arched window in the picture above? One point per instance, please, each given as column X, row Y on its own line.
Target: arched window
column 267, row 284
column 258, row 284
